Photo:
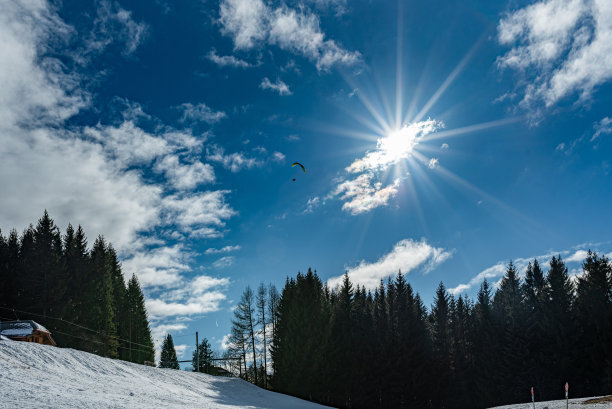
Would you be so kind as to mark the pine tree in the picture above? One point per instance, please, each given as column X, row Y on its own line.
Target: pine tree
column 141, row 345
column 168, row 357
column 485, row 354
column 558, row 323
column 441, row 342
column 99, row 301
column 594, row 317
column 534, row 295
column 206, row 356
column 510, row 318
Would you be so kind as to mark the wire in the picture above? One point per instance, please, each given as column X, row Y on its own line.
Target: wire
column 76, row 325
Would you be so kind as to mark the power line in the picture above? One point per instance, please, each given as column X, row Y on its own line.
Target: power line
column 76, row 325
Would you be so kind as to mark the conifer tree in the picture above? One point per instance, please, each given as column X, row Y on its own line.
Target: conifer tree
column 206, row 356
column 594, row 317
column 141, row 346
column 168, row 357
column 99, row 301
column 441, row 342
column 559, row 327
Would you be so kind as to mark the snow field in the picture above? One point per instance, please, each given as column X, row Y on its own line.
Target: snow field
column 42, row 376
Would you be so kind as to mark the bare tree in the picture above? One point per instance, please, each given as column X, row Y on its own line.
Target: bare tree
column 243, row 325
column 261, row 302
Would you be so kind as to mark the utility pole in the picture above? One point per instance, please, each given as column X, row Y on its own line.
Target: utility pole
column 197, row 354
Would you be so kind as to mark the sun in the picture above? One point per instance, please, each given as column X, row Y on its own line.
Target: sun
column 398, row 144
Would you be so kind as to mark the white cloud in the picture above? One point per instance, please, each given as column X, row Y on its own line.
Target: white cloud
column 227, row 60
column 433, row 163
column 202, row 209
column 498, row 270
column 235, row 161
column 203, row 304
column 279, row 86
column 245, row 21
column 160, row 266
column 251, row 23
column 224, row 262
column 312, row 203
column 397, row 146
column 278, row 156
column 225, row 341
column 602, row 127
column 112, row 24
column 578, row 256
column 225, row 249
column 185, row 176
column 567, row 44
column 560, row 147
column 407, row 255
column 200, row 112
column 363, row 194
column 366, row 192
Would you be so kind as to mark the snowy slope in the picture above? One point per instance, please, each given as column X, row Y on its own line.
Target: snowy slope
column 41, row 376
column 560, row 404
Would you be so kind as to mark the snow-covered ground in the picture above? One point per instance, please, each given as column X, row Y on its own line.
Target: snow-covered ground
column 560, row 404
column 41, row 376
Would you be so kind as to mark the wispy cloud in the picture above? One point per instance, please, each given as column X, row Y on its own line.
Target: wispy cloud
column 225, row 249
column 200, row 112
column 227, row 60
column 602, row 127
column 234, row 161
column 495, row 272
column 407, row 255
column 278, row 86
column 115, row 24
column 312, row 203
column 224, row 262
column 560, row 47
column 251, row 24
column 433, row 163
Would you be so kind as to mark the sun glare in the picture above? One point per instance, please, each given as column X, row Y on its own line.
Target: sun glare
column 398, row 144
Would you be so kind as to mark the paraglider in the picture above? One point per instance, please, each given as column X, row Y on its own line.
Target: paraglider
column 300, row 165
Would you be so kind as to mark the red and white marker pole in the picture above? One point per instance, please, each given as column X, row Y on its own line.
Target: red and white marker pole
column 532, row 399
column 566, row 391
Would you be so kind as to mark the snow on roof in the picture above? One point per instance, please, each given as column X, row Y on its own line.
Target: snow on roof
column 20, row 328
column 3, row 338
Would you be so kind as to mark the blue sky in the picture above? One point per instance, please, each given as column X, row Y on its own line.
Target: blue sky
column 440, row 138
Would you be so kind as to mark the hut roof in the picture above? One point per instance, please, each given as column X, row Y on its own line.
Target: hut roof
column 20, row 328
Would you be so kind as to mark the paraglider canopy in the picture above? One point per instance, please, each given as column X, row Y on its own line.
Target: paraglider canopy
column 300, row 165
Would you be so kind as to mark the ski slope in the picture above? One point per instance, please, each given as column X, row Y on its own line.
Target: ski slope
column 41, row 376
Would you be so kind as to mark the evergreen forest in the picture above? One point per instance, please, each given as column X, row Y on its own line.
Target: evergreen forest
column 352, row 348
column 79, row 294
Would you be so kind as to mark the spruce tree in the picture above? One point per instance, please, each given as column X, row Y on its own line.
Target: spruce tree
column 441, row 343
column 594, row 317
column 558, row 323
column 244, row 322
column 206, row 356
column 168, row 357
column 141, row 343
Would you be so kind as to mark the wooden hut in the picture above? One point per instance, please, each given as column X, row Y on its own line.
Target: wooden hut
column 28, row 331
